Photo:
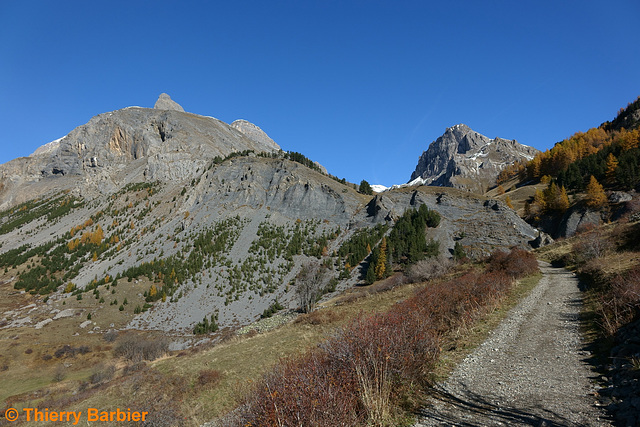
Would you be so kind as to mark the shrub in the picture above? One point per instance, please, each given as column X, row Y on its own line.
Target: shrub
column 136, row 348
column 59, row 374
column 429, row 268
column 209, row 378
column 319, row 317
column 68, row 351
column 110, row 336
column 619, row 301
column 517, row 263
column 592, row 244
column 102, row 373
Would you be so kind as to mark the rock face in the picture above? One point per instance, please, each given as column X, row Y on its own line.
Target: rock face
column 575, row 217
column 163, row 143
column 479, row 224
column 462, row 158
column 255, row 134
column 165, row 102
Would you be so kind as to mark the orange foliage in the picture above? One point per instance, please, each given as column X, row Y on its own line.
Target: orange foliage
column 596, row 197
column 73, row 245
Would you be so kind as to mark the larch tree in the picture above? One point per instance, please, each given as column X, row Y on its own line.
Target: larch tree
column 612, row 165
column 381, row 264
column 509, row 203
column 596, row 198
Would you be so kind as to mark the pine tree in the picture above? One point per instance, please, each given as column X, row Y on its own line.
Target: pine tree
column 365, row 188
column 458, row 252
column 596, row 198
column 371, row 274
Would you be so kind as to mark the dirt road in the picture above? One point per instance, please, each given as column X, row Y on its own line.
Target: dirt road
column 532, row 370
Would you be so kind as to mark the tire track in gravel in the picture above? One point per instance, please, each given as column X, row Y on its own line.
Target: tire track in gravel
column 532, row 370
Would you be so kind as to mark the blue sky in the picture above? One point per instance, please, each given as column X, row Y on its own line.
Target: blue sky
column 362, row 87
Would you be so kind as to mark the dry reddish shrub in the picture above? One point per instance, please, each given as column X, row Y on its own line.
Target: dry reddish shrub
column 619, row 301
column 310, row 391
column 516, row 263
column 209, row 378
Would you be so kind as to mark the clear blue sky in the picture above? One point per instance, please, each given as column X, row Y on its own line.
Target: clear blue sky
column 362, row 87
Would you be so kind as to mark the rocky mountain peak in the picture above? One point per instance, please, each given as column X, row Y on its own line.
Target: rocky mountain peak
column 463, row 158
column 165, row 102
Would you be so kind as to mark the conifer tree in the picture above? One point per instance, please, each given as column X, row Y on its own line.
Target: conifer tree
column 458, row 252
column 612, row 165
column 381, row 263
column 596, row 198
column 507, row 200
column 365, row 188
column 562, row 203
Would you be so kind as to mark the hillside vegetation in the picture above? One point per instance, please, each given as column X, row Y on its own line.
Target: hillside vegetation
column 363, row 375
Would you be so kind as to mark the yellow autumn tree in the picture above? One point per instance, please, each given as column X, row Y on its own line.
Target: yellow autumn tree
column 381, row 264
column 539, row 205
column 73, row 245
column 555, row 198
column 612, row 165
column 97, row 236
column 596, row 198
column 507, row 200
column 563, row 200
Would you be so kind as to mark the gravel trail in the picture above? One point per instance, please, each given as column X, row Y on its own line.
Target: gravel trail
column 532, row 370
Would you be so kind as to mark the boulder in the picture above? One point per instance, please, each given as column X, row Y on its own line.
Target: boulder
column 619, row 197
column 576, row 217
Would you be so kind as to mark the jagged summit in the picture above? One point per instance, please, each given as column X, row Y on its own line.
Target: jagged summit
column 165, row 102
column 463, row 158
